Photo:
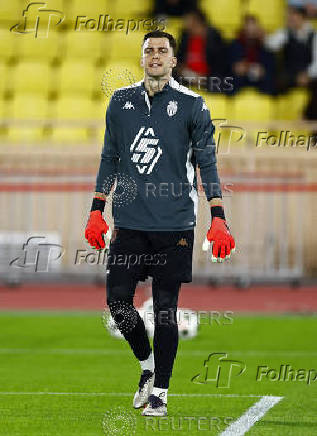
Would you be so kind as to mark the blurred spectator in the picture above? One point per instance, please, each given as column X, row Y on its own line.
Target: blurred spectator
column 201, row 51
column 309, row 5
column 251, row 64
column 173, row 7
column 297, row 45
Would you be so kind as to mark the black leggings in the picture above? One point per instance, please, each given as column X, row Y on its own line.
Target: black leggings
column 131, row 325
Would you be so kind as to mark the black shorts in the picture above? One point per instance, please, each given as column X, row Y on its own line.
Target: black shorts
column 134, row 255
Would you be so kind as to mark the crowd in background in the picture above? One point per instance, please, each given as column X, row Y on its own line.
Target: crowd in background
column 271, row 63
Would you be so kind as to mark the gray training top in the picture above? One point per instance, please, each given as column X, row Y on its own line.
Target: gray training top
column 151, row 151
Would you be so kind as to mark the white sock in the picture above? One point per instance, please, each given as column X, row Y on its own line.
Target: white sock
column 148, row 364
column 161, row 393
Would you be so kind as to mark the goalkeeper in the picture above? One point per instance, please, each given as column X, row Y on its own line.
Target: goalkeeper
column 157, row 133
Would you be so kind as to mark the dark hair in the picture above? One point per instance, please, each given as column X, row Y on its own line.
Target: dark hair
column 160, row 34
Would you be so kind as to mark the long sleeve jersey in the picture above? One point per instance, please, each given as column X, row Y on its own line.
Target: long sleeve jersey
column 150, row 155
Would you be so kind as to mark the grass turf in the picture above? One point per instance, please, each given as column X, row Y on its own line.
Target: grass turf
column 56, row 354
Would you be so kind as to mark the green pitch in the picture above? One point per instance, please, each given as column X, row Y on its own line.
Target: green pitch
column 63, row 375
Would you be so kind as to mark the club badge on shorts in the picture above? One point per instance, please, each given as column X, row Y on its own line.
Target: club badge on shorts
column 171, row 108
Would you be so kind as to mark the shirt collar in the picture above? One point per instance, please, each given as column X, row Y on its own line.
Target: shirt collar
column 166, row 87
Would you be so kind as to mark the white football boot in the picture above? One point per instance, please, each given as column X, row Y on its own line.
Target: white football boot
column 155, row 407
column 145, row 388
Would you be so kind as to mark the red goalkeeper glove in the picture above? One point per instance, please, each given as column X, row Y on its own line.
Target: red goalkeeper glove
column 95, row 229
column 219, row 237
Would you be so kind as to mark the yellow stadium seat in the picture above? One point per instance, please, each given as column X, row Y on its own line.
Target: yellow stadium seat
column 251, row 106
column 218, row 107
column 122, row 46
column 30, row 76
column 292, row 105
column 77, row 77
column 3, row 78
column 132, row 9
column 28, row 108
column 89, row 9
column 74, row 110
column 8, row 43
column 217, row 104
column 224, row 14
column 85, row 45
column 31, row 48
column 11, row 11
column 271, row 13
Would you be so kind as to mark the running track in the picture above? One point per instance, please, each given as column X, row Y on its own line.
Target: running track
column 262, row 299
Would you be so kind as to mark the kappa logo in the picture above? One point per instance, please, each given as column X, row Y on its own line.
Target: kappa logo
column 145, row 150
column 182, row 242
column 128, row 105
column 204, row 107
column 171, row 108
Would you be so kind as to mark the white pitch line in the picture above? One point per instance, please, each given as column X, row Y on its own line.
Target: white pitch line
column 251, row 416
column 128, row 394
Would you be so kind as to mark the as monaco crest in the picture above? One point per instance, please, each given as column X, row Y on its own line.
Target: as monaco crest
column 172, row 108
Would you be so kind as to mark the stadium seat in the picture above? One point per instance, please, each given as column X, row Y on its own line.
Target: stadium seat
column 77, row 77
column 124, row 46
column 74, row 110
column 8, row 43
column 132, row 9
column 292, row 105
column 271, row 13
column 224, row 14
column 91, row 10
column 85, row 45
column 30, row 76
column 217, row 104
column 3, row 77
column 31, row 48
column 251, row 106
column 11, row 11
column 28, row 107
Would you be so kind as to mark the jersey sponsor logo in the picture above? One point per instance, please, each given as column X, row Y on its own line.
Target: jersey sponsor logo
column 171, row 108
column 145, row 150
column 128, row 105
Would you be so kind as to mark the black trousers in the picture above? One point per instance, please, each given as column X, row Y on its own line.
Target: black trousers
column 122, row 278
